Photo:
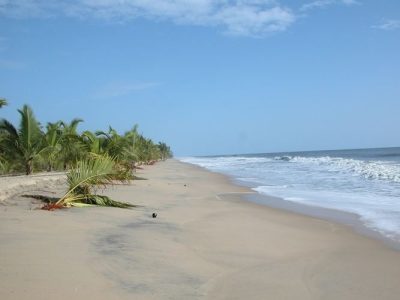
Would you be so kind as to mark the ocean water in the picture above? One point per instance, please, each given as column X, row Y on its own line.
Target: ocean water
column 365, row 182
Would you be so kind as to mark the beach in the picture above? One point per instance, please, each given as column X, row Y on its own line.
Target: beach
column 207, row 242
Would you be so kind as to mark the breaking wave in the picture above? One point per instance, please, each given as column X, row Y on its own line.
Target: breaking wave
column 367, row 169
column 365, row 182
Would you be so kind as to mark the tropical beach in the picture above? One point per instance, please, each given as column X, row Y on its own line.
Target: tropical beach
column 197, row 149
column 206, row 243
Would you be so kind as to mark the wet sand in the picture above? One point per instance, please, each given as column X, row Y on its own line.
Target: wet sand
column 206, row 243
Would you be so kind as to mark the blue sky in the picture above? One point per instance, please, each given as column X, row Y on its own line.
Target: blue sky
column 210, row 77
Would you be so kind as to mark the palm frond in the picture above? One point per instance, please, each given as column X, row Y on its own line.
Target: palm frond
column 29, row 131
column 9, row 128
column 95, row 171
column 101, row 200
column 87, row 174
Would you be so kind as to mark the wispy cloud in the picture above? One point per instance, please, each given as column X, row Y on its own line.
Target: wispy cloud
column 23, row 8
column 235, row 17
column 325, row 3
column 388, row 24
column 119, row 89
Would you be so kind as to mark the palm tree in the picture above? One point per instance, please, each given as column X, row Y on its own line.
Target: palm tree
column 120, row 148
column 52, row 144
column 27, row 146
column 22, row 145
column 92, row 143
column 114, row 144
column 148, row 152
column 165, row 150
column 132, row 153
column 72, row 148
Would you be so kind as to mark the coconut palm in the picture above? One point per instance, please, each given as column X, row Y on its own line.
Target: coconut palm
column 165, row 150
column 72, row 148
column 27, row 147
column 141, row 148
column 83, row 180
column 114, row 144
column 148, row 152
column 23, row 145
column 132, row 151
column 92, row 143
column 52, row 144
column 119, row 147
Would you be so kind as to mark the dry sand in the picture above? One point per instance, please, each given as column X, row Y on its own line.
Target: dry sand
column 14, row 185
column 205, row 243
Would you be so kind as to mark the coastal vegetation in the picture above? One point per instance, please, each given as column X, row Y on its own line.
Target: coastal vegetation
column 90, row 159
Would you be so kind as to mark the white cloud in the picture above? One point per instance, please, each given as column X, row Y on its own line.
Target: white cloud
column 237, row 17
column 388, row 25
column 324, row 3
column 251, row 21
column 118, row 89
column 23, row 8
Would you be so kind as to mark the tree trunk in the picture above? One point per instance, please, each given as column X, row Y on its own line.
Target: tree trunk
column 29, row 167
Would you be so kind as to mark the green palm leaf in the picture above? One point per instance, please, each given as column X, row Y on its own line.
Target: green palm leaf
column 85, row 177
column 25, row 143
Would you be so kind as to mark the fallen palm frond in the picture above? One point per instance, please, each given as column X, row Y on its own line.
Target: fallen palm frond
column 85, row 177
column 43, row 198
column 51, row 202
column 101, row 200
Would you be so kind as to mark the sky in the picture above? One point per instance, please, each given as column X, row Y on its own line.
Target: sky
column 209, row 77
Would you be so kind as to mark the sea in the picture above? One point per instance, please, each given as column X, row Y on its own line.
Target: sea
column 363, row 182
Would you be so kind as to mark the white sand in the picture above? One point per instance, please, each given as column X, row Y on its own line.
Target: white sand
column 14, row 185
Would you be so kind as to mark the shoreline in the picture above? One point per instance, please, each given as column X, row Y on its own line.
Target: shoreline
column 206, row 243
column 352, row 220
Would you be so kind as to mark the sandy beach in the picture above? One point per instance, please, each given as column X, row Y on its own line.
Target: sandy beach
column 206, row 243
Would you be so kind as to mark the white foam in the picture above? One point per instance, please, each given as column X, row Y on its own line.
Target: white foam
column 370, row 189
column 367, row 169
column 382, row 215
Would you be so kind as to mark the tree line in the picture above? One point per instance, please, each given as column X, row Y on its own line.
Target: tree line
column 31, row 147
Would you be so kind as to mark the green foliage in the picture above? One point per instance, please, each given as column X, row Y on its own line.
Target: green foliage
column 92, row 160
column 24, row 144
column 59, row 146
column 52, row 146
column 84, row 178
column 72, row 147
column 165, row 150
